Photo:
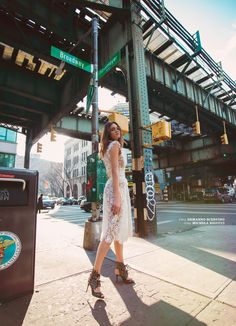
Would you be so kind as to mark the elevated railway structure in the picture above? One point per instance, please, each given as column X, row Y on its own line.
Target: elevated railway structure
column 163, row 71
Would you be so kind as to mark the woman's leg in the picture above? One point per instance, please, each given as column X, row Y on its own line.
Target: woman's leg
column 101, row 254
column 120, row 263
column 119, row 251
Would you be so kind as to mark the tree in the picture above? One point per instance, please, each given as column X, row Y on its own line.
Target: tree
column 55, row 179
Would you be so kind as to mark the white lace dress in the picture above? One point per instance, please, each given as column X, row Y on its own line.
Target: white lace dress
column 116, row 227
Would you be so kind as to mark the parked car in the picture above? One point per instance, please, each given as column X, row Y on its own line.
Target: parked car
column 217, row 194
column 63, row 201
column 231, row 192
column 196, row 195
column 48, row 202
column 87, row 206
column 72, row 201
column 80, row 199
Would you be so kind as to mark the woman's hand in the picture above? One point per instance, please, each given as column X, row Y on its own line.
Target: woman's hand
column 116, row 205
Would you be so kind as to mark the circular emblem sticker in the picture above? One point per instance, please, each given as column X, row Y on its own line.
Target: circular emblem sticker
column 10, row 248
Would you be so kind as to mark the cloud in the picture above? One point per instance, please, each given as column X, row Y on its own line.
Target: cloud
column 230, row 44
column 234, row 25
column 227, row 54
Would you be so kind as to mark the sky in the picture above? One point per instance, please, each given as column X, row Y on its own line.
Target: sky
column 216, row 22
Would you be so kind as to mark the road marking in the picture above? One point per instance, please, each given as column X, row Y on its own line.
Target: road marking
column 195, row 212
column 163, row 222
column 221, row 206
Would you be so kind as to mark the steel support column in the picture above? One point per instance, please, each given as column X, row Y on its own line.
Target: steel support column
column 28, row 146
column 142, row 158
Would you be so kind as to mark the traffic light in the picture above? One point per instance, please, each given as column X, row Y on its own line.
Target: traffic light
column 39, row 148
column 53, row 134
column 161, row 131
column 196, row 128
column 224, row 139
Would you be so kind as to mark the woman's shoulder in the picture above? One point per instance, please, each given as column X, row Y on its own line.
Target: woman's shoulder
column 113, row 144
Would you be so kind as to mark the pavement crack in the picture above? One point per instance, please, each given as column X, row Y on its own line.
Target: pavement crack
column 63, row 278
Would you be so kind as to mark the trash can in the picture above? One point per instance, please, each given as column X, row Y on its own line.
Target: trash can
column 18, row 199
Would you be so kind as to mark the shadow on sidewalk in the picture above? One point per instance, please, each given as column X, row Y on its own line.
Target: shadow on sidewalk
column 16, row 315
column 159, row 313
column 196, row 246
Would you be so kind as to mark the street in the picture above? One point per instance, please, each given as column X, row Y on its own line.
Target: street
column 186, row 278
column 173, row 217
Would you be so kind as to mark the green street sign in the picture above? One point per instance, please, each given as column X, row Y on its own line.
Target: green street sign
column 109, row 65
column 102, row 72
column 70, row 59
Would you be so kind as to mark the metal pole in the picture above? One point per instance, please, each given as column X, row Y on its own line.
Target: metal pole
column 28, row 146
column 95, row 139
column 224, row 127
column 95, row 85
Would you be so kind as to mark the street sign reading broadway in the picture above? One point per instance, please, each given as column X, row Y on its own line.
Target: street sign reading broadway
column 72, row 60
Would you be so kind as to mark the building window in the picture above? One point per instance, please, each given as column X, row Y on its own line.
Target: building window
column 84, row 143
column 83, row 170
column 68, row 164
column 76, row 147
column 7, row 160
column 84, row 156
column 75, row 173
column 7, row 135
column 68, row 151
column 75, row 160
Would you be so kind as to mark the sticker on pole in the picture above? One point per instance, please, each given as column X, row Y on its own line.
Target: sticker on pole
column 10, row 248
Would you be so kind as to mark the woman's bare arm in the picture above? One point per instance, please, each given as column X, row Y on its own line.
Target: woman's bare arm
column 114, row 155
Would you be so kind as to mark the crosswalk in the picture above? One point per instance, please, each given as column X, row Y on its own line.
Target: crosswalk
column 170, row 216
column 72, row 214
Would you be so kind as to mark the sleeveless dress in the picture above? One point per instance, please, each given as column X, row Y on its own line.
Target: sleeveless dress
column 116, row 227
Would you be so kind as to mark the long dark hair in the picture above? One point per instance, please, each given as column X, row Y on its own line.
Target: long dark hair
column 106, row 138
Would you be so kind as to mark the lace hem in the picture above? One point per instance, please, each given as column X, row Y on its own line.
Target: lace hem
column 112, row 229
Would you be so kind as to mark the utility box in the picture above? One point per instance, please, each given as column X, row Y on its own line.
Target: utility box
column 96, row 178
column 18, row 199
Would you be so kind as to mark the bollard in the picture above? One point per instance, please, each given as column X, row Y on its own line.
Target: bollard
column 92, row 233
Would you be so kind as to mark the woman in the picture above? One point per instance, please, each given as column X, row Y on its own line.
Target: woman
column 117, row 221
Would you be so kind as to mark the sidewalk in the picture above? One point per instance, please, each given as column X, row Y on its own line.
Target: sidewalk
column 183, row 279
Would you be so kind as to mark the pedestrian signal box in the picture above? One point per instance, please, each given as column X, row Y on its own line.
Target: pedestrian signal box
column 96, row 178
column 196, row 128
column 224, row 139
column 161, row 130
column 39, row 148
column 122, row 121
